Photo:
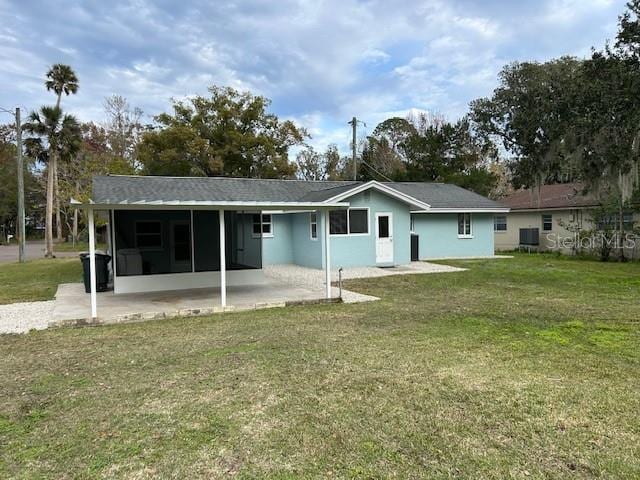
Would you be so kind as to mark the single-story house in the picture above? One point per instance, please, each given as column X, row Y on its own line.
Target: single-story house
column 170, row 233
column 544, row 219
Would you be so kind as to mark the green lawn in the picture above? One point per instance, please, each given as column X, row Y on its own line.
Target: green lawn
column 37, row 279
column 78, row 247
column 522, row 368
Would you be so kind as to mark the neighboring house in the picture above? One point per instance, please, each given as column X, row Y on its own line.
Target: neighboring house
column 537, row 219
column 169, row 232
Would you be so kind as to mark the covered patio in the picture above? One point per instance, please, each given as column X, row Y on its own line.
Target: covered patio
column 194, row 244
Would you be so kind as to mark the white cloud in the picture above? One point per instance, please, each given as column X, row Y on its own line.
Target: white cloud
column 320, row 62
column 570, row 11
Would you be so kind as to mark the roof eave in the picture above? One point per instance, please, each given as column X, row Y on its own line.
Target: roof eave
column 464, row 210
column 206, row 204
column 565, row 207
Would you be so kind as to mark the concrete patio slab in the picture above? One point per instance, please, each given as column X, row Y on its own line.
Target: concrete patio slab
column 73, row 306
column 286, row 285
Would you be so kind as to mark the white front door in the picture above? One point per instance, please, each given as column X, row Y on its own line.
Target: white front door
column 384, row 238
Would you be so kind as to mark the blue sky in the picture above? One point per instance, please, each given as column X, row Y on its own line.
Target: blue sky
column 321, row 62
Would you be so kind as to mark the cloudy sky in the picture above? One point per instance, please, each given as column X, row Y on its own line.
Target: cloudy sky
column 321, row 62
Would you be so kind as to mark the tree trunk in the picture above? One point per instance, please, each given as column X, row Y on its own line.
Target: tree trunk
column 621, row 232
column 57, row 202
column 48, row 225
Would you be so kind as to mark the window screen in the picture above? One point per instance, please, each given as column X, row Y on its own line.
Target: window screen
column 313, row 225
column 338, row 222
column 358, row 221
column 262, row 225
column 149, row 234
column 547, row 222
column 464, row 224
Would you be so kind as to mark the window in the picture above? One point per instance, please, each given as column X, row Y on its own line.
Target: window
column 383, row 226
column 262, row 225
column 500, row 223
column 612, row 222
column 354, row 221
column 313, row 225
column 464, row 225
column 358, row 220
column 412, row 223
column 338, row 222
column 148, row 234
column 547, row 222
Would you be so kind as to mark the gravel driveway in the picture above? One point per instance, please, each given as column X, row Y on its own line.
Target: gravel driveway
column 22, row 317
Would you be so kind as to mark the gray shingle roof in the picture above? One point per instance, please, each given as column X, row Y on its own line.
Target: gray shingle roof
column 131, row 189
column 114, row 189
column 444, row 195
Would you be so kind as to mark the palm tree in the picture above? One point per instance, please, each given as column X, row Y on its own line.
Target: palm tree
column 61, row 79
column 56, row 137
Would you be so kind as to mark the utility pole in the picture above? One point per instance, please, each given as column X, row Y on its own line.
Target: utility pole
column 354, row 124
column 20, row 170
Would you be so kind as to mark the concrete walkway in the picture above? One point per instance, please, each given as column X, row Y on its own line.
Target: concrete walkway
column 313, row 278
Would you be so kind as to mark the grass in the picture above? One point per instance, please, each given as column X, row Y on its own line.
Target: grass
column 79, row 247
column 522, row 368
column 37, row 279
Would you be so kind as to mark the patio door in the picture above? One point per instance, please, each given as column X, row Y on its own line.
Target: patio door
column 384, row 238
column 180, row 246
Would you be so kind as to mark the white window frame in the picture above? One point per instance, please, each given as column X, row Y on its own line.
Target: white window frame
column 550, row 221
column 262, row 223
column 349, row 234
column 136, row 234
column 506, row 224
column 465, row 235
column 313, row 220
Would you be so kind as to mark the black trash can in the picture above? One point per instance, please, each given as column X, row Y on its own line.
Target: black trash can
column 102, row 272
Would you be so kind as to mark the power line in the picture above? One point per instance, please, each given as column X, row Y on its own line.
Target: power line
column 376, row 171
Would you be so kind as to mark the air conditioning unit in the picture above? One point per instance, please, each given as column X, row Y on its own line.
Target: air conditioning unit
column 529, row 237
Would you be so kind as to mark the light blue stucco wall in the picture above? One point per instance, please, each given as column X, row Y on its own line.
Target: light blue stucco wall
column 360, row 250
column 306, row 251
column 279, row 248
column 292, row 243
column 438, row 235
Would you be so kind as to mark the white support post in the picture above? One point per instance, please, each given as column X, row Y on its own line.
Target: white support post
column 327, row 254
column 92, row 264
column 223, row 261
column 193, row 248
